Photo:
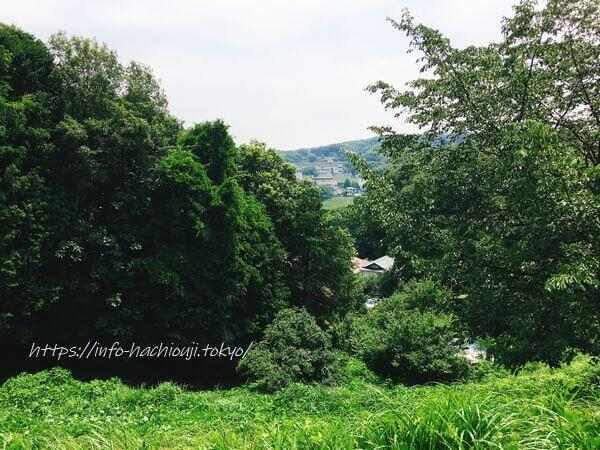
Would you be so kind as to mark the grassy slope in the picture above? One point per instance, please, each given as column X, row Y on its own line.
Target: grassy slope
column 542, row 409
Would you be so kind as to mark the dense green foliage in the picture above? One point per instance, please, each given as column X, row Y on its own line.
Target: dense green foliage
column 28, row 88
column 118, row 224
column 366, row 230
column 318, row 253
column 401, row 338
column 294, row 349
column 540, row 408
column 504, row 209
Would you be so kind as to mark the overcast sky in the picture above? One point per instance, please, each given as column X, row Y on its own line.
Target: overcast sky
column 290, row 73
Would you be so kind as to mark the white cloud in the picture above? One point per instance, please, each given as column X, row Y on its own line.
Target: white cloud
column 288, row 72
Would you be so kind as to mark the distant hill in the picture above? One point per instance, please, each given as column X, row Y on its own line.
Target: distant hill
column 313, row 156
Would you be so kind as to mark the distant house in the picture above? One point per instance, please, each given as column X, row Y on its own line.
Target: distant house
column 330, row 168
column 325, row 181
column 382, row 264
column 377, row 266
column 352, row 192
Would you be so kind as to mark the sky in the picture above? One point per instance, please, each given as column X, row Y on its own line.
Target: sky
column 290, row 73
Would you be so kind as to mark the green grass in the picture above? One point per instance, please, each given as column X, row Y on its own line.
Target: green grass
column 540, row 408
column 337, row 202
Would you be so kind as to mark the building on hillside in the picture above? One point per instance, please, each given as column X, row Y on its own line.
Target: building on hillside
column 339, row 168
column 352, row 192
column 371, row 302
column 330, row 168
column 377, row 266
column 325, row 170
column 325, row 181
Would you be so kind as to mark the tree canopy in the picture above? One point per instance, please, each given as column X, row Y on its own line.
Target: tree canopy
column 499, row 198
column 119, row 223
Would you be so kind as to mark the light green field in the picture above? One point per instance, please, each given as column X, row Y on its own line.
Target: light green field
column 541, row 408
column 337, row 202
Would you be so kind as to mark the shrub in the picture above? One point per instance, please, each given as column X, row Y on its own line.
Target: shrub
column 425, row 295
column 294, row 349
column 341, row 330
column 485, row 370
column 408, row 344
column 355, row 370
column 382, row 285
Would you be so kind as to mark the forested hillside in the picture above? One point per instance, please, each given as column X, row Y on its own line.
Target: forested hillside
column 366, row 148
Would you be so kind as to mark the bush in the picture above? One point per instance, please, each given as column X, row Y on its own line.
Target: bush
column 370, row 285
column 486, row 370
column 426, row 295
column 355, row 370
column 408, row 344
column 294, row 349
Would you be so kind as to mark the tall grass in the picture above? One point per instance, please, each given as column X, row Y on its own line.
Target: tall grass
column 539, row 408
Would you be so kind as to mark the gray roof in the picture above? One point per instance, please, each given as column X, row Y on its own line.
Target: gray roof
column 384, row 263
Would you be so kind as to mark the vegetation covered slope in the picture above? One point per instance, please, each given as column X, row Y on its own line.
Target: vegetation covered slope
column 539, row 408
column 366, row 148
column 116, row 223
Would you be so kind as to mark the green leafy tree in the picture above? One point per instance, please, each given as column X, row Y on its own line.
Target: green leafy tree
column 544, row 69
column 294, row 349
column 29, row 109
column 237, row 287
column 326, row 192
column 113, row 130
column 403, row 339
column 366, row 230
column 497, row 200
column 116, row 222
column 318, row 252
